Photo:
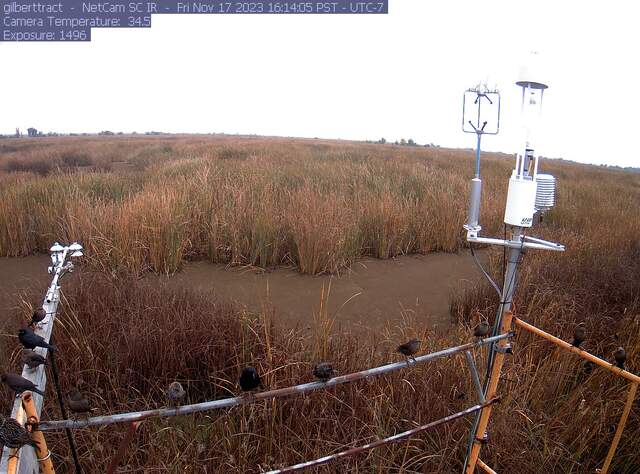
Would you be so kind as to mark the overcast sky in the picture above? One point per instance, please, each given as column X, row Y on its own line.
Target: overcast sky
column 400, row 75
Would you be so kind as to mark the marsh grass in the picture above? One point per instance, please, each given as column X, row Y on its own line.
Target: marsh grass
column 237, row 201
column 319, row 206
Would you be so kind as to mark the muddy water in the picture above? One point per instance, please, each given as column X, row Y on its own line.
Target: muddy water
column 371, row 294
column 19, row 279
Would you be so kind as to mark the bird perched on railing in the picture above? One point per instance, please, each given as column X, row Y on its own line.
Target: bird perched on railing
column 249, row 379
column 32, row 359
column 175, row 393
column 38, row 316
column 620, row 356
column 579, row 335
column 78, row 403
column 13, row 435
column 31, row 340
column 481, row 330
column 409, row 349
column 19, row 384
column 324, row 371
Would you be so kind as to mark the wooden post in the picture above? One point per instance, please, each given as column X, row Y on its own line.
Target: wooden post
column 44, row 456
column 623, row 420
column 494, row 378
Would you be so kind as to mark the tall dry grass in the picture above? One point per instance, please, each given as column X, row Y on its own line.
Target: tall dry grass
column 243, row 202
column 124, row 341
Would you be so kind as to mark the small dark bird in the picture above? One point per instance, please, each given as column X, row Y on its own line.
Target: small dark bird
column 78, row 403
column 620, row 355
column 579, row 335
column 481, row 330
column 38, row 316
column 13, row 435
column 32, row 359
column 175, row 393
column 31, row 340
column 324, row 371
column 409, row 348
column 249, row 379
column 19, row 384
column 588, row 368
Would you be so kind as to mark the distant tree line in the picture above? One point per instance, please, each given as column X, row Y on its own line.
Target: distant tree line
column 401, row 142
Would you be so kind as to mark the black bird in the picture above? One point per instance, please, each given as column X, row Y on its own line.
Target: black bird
column 409, row 348
column 579, row 335
column 32, row 359
column 324, row 371
column 38, row 316
column 620, row 355
column 481, row 330
column 31, row 340
column 19, row 384
column 13, row 435
column 588, row 367
column 249, row 379
column 175, row 393
column 78, row 403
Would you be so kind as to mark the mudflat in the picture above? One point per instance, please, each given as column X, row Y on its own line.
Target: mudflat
column 368, row 296
column 372, row 293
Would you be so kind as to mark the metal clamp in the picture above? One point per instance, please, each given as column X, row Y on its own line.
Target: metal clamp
column 46, row 457
column 506, row 349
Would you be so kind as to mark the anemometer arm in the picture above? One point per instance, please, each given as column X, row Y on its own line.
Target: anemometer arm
column 525, row 243
column 478, row 130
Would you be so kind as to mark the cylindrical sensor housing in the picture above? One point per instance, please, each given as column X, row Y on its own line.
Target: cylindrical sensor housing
column 475, row 193
column 520, row 202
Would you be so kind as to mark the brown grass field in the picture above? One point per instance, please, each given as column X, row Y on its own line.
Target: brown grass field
column 143, row 204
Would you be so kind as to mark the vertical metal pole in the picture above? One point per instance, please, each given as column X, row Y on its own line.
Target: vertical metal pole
column 27, row 462
column 508, row 289
column 479, row 134
column 474, row 377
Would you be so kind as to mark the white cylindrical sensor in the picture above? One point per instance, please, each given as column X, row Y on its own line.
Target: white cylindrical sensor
column 521, row 199
column 475, row 193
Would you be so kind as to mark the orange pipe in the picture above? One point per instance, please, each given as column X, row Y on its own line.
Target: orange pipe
column 485, row 468
column 584, row 354
column 122, row 447
column 623, row 421
column 44, row 456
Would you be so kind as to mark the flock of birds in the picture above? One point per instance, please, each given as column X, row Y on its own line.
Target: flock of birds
column 14, row 435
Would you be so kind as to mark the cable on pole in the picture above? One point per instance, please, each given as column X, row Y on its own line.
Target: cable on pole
column 63, row 411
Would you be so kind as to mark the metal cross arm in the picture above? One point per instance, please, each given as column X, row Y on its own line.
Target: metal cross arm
column 267, row 395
